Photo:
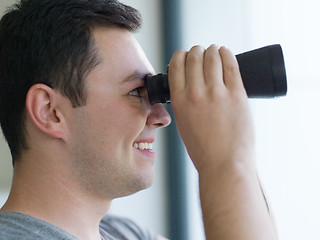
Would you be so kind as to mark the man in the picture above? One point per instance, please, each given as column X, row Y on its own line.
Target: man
column 76, row 115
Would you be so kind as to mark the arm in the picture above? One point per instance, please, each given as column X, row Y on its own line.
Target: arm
column 213, row 118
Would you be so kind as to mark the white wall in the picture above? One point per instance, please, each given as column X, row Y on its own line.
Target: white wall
column 287, row 129
column 146, row 207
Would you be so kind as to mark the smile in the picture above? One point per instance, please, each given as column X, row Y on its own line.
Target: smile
column 143, row 146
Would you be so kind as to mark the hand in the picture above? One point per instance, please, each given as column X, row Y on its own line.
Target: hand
column 213, row 118
column 210, row 106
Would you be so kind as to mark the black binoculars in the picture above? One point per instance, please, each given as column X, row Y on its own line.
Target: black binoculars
column 262, row 70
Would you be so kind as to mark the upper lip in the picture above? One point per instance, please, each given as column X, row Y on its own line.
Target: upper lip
column 145, row 140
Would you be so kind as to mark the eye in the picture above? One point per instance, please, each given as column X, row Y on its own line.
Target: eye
column 137, row 92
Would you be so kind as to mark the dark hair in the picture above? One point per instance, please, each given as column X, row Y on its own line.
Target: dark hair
column 50, row 42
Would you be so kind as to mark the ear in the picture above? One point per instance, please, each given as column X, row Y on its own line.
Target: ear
column 42, row 104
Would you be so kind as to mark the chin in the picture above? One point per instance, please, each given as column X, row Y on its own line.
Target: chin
column 142, row 182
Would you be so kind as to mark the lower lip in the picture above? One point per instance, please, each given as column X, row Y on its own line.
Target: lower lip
column 146, row 152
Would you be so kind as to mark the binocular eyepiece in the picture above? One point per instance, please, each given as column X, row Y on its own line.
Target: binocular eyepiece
column 262, row 70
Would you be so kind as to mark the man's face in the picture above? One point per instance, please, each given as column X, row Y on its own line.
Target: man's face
column 116, row 120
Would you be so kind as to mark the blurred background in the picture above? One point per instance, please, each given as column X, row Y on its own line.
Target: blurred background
column 287, row 129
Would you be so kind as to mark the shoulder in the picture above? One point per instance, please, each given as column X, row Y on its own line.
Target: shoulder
column 15, row 225
column 124, row 228
column 12, row 227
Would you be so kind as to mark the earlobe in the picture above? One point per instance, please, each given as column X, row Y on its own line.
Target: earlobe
column 42, row 107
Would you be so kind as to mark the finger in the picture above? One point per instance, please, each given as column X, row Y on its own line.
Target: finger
column 231, row 72
column 194, row 67
column 177, row 71
column 213, row 73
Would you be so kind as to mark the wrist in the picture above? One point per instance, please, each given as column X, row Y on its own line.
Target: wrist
column 231, row 196
column 236, row 163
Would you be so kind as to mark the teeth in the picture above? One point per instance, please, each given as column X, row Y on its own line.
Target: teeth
column 143, row 146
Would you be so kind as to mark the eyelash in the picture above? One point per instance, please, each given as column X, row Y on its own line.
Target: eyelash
column 138, row 90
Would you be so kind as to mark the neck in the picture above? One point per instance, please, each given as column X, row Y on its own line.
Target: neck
column 55, row 199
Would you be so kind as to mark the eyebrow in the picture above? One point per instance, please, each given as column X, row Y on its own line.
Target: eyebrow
column 135, row 77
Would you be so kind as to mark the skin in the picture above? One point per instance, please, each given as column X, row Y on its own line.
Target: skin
column 85, row 156
column 213, row 119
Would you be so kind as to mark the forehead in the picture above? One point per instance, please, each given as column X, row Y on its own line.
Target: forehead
column 118, row 50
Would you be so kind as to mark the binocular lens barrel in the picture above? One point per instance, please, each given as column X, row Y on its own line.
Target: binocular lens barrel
column 262, row 70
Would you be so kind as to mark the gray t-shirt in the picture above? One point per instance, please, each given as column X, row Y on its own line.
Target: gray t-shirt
column 15, row 226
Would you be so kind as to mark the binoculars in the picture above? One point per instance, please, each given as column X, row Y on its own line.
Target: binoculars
column 262, row 70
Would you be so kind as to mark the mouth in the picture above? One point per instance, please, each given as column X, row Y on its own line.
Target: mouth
column 143, row 146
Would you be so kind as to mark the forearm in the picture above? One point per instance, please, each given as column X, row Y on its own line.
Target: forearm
column 233, row 204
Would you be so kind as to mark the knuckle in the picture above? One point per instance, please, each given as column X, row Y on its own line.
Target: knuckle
column 232, row 69
column 197, row 48
column 177, row 59
column 173, row 66
column 211, row 59
column 216, row 95
column 180, row 52
column 194, row 58
column 195, row 95
column 178, row 55
column 214, row 47
column 196, row 54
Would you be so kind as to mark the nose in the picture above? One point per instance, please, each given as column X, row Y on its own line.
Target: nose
column 158, row 116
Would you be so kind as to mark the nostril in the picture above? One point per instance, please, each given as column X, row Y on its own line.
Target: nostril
column 158, row 117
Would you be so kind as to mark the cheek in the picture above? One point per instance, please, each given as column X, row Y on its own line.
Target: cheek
column 120, row 121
